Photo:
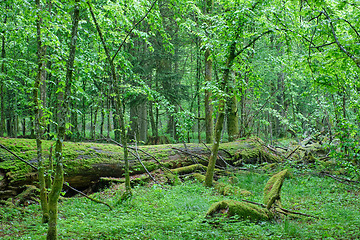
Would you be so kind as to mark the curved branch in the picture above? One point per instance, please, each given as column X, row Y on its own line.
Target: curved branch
column 123, row 42
column 252, row 42
column 355, row 59
column 357, row 33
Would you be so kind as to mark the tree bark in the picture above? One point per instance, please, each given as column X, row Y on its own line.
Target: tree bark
column 209, row 122
column 232, row 112
column 2, row 93
column 220, row 119
column 38, row 112
column 86, row 163
column 63, row 111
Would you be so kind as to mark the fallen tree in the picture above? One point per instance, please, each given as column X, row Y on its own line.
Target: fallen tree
column 86, row 163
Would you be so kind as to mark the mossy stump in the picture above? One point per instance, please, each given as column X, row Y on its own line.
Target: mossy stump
column 272, row 189
column 243, row 210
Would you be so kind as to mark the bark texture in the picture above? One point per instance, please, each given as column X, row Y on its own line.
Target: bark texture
column 87, row 163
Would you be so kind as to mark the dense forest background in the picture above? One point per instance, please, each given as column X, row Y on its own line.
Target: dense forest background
column 166, row 71
column 163, row 71
column 295, row 71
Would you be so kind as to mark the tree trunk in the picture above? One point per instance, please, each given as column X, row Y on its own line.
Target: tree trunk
column 38, row 112
column 209, row 122
column 2, row 92
column 220, row 119
column 64, row 97
column 86, row 163
column 232, row 113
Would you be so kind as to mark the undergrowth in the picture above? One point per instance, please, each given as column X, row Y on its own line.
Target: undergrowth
column 179, row 213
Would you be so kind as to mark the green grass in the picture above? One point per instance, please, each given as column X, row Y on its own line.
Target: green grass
column 178, row 213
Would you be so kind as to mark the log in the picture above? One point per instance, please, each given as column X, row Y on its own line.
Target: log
column 86, row 163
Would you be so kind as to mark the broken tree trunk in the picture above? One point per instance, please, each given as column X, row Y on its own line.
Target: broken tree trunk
column 86, row 163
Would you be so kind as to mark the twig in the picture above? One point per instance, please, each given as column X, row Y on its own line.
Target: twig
column 282, row 209
column 24, row 161
column 148, row 154
column 340, row 179
column 138, row 158
column 194, row 160
column 297, row 213
column 64, row 184
column 151, row 7
column 293, row 152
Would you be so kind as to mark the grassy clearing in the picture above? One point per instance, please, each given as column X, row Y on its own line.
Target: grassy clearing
column 178, row 213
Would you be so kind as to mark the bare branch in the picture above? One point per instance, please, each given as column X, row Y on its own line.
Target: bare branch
column 123, row 42
column 351, row 56
column 324, row 45
column 252, row 42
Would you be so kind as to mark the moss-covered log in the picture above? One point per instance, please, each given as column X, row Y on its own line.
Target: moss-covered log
column 86, row 163
column 242, row 210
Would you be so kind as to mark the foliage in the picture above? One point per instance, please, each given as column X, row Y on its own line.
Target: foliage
column 178, row 212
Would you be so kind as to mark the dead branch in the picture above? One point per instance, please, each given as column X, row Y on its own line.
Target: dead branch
column 282, row 209
column 292, row 152
column 138, row 158
column 340, row 179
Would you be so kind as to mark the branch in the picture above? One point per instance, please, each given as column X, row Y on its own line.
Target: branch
column 351, row 56
column 123, row 42
column 252, row 42
column 148, row 154
column 351, row 26
column 324, row 45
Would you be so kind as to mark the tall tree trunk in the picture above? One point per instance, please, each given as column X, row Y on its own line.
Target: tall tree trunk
column 232, row 112
column 119, row 106
column 64, row 97
column 143, row 122
column 2, row 92
column 102, row 122
column 198, row 73
column 209, row 122
column 38, row 112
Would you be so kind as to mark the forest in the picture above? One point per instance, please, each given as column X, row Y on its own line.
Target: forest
column 164, row 119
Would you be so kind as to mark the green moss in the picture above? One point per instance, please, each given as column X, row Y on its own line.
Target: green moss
column 199, row 177
column 189, row 169
column 273, row 188
column 242, row 210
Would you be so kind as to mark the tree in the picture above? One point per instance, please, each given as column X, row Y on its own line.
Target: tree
column 64, row 98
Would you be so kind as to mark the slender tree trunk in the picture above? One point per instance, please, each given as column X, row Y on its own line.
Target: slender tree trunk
column 2, row 92
column 220, row 119
column 102, row 122
column 143, row 121
column 198, row 72
column 64, row 97
column 38, row 116
column 209, row 122
column 24, row 127
column 119, row 106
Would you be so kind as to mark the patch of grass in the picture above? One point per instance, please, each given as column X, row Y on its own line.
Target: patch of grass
column 178, row 213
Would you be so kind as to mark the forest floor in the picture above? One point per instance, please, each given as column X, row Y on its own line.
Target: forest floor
column 178, row 212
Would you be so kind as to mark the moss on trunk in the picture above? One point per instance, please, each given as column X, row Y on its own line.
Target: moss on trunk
column 86, row 163
column 242, row 210
column 272, row 189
